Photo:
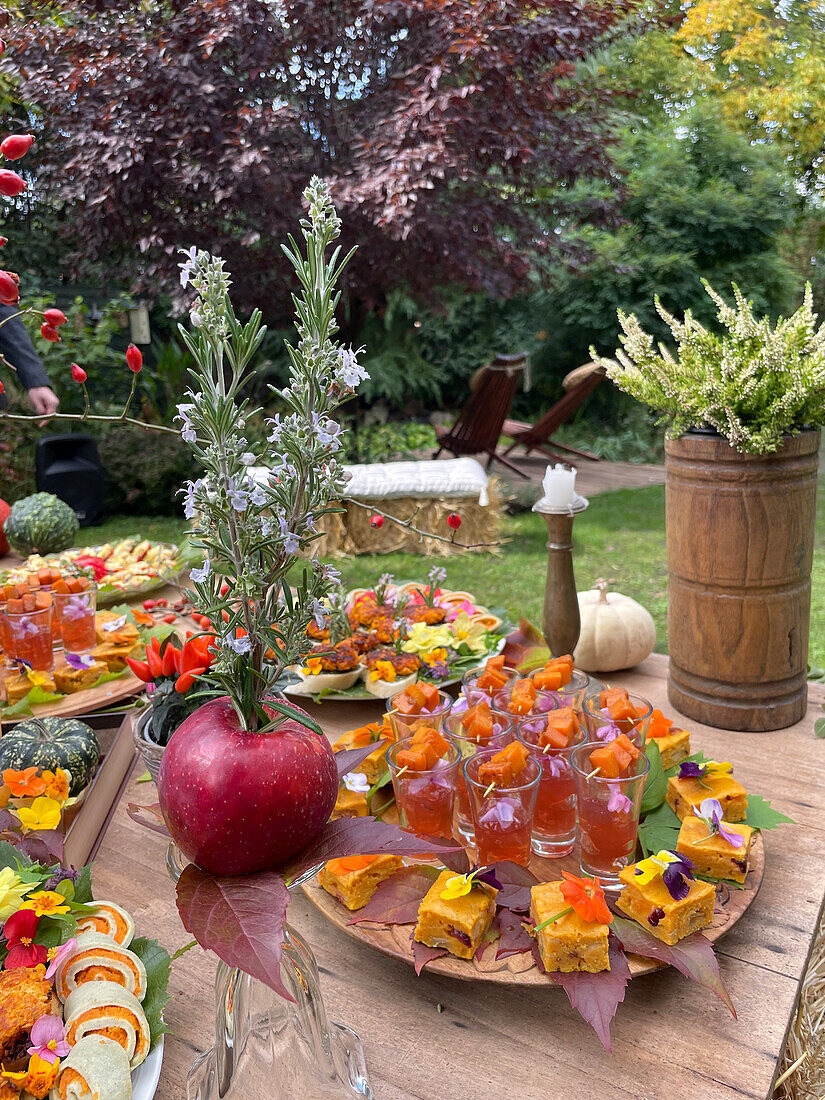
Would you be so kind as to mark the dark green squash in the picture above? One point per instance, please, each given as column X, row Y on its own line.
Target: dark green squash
column 52, row 743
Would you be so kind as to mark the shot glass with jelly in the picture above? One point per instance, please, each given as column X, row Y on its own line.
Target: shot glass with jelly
column 567, row 692
column 75, row 615
column 502, row 785
column 30, row 630
column 550, row 739
column 614, row 710
column 523, row 699
column 420, row 706
column 472, row 729
column 424, row 770
column 609, row 778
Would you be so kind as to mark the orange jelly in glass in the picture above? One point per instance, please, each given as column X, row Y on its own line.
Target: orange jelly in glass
column 75, row 603
column 502, row 785
column 423, row 769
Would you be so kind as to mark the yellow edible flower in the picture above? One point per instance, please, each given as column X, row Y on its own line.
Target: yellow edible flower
column 469, row 634
column 456, row 887
column 313, row 667
column 43, row 814
column 383, row 670
column 46, row 902
column 649, row 869
column 423, row 639
column 716, row 769
column 438, row 656
column 12, row 892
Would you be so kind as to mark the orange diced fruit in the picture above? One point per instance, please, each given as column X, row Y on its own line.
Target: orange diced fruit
column 83, row 583
column 659, row 725
column 477, row 722
column 614, row 758
column 16, row 606
column 430, row 693
column 611, row 695
column 563, row 723
column 42, row 600
column 553, row 738
column 74, row 584
column 523, row 697
column 504, row 766
column 548, row 679
column 426, row 735
column 44, row 576
column 28, row 602
column 60, row 586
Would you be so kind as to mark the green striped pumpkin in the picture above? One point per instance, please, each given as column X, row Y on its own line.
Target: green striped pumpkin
column 52, row 743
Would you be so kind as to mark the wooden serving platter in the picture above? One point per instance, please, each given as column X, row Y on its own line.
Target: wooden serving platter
column 394, row 940
column 125, row 686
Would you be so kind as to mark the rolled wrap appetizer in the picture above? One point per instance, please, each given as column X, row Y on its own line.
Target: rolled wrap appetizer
column 99, row 958
column 110, row 921
column 96, row 1069
column 108, row 1009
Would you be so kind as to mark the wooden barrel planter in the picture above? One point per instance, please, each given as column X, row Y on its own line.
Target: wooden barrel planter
column 740, row 535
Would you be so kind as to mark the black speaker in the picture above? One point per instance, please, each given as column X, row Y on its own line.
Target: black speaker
column 69, row 466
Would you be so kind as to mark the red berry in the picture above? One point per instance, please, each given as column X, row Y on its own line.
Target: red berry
column 55, row 317
column 78, row 373
column 454, row 520
column 16, row 146
column 224, row 588
column 11, row 184
column 377, row 521
column 161, row 603
column 9, row 290
column 2, row 47
column 170, row 618
column 148, row 605
column 2, row 388
column 3, row 240
column 134, row 358
column 50, row 333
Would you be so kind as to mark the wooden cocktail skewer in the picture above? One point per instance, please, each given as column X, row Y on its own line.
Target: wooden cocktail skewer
column 594, row 772
column 490, row 788
column 401, row 771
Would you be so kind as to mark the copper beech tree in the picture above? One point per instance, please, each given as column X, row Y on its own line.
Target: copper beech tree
column 448, row 129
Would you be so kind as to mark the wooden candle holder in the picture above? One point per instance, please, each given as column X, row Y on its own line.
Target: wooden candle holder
column 561, row 621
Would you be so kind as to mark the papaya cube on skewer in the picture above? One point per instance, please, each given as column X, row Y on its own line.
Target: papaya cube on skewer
column 613, row 759
column 504, row 766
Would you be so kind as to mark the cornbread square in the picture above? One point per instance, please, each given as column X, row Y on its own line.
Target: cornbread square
column 714, row 856
column 127, row 634
column 667, row 919
column 458, row 925
column 355, row 888
column 569, row 943
column 374, row 766
column 18, row 687
column 684, row 796
column 114, row 656
column 69, row 680
column 674, row 747
column 350, row 804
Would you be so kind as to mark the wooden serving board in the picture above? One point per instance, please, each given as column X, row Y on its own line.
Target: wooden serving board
column 394, row 940
column 125, row 686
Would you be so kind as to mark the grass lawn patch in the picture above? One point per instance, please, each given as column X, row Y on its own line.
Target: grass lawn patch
column 621, row 537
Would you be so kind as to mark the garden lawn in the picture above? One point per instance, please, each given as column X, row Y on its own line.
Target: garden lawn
column 621, row 537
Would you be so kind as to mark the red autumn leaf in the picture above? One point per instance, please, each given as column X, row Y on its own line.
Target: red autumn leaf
column 241, row 919
column 514, row 938
column 423, row 954
column 457, row 861
column 516, row 882
column 149, row 817
column 45, row 846
column 525, row 648
column 397, row 899
column 596, row 997
column 348, row 759
column 356, row 836
column 692, row 956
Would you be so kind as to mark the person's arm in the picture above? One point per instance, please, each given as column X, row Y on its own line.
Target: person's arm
column 18, row 349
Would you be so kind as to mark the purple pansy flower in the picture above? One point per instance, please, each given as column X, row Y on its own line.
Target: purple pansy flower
column 690, row 769
column 79, row 661
column 710, row 811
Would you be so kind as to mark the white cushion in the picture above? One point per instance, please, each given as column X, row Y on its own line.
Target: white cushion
column 459, row 477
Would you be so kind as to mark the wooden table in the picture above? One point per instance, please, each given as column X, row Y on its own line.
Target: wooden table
column 670, row 1038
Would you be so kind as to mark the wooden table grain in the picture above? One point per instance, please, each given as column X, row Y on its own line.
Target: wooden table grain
column 433, row 1038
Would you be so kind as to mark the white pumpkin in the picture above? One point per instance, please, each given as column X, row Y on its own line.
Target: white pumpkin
column 616, row 632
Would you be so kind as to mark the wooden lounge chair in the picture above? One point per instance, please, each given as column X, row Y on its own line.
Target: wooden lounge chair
column 479, row 424
column 579, row 384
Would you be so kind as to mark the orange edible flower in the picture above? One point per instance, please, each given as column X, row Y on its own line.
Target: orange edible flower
column 347, row 864
column 57, row 785
column 659, row 725
column 477, row 722
column 504, row 766
column 523, row 697
column 586, row 897
column 614, row 758
column 25, row 784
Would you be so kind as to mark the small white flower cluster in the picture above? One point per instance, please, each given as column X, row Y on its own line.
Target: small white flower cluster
column 250, row 524
column 754, row 383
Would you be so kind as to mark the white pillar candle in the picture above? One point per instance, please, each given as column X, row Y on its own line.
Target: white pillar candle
column 559, row 486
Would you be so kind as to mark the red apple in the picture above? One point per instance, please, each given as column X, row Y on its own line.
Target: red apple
column 237, row 802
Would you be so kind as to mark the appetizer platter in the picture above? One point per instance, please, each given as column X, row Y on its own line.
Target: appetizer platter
column 622, row 851
column 382, row 639
column 81, row 994
column 122, row 570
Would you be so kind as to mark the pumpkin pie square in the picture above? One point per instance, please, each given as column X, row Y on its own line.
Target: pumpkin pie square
column 18, row 687
column 355, row 888
column 350, row 804
column 711, row 854
column 568, row 944
column 685, row 795
column 664, row 917
column 674, row 747
column 374, row 766
column 69, row 680
column 457, row 924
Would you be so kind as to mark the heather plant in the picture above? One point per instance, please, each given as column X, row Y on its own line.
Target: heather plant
column 753, row 382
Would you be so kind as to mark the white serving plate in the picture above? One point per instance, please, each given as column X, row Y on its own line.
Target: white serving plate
column 145, row 1078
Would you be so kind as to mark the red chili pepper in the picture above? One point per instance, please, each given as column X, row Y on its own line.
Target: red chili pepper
column 189, row 658
column 171, row 661
column 154, row 662
column 185, row 681
column 140, row 669
column 170, row 618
